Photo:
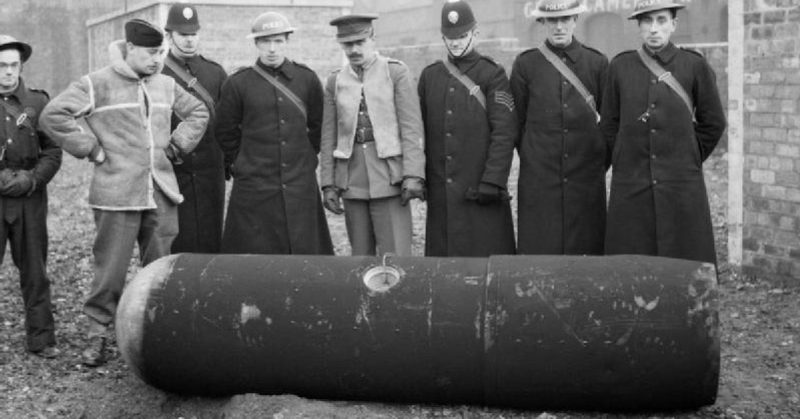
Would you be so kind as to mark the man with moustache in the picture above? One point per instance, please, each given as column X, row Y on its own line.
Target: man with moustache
column 372, row 143
column 28, row 161
column 134, row 194
column 268, row 125
column 470, row 131
column 201, row 174
column 557, row 89
column 662, row 117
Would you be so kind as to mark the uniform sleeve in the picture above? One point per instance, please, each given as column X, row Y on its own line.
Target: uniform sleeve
column 609, row 112
column 315, row 111
column 519, row 89
column 504, row 130
column 227, row 128
column 329, row 133
column 409, row 119
column 601, row 77
column 194, row 115
column 59, row 120
column 49, row 159
column 709, row 112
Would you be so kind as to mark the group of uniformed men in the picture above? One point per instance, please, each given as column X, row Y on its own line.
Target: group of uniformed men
column 164, row 142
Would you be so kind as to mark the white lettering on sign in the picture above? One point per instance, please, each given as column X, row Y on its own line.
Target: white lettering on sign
column 595, row 6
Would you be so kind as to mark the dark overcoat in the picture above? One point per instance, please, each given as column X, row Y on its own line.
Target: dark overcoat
column 658, row 204
column 561, row 188
column 23, row 219
column 201, row 174
column 465, row 145
column 275, row 205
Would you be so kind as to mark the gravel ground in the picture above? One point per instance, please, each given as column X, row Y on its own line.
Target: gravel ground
column 760, row 323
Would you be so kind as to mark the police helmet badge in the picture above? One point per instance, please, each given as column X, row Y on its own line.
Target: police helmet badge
column 188, row 13
column 453, row 17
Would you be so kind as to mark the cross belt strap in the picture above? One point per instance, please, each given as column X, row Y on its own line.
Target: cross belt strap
column 192, row 83
column 474, row 89
column 572, row 78
column 667, row 77
column 283, row 89
column 21, row 118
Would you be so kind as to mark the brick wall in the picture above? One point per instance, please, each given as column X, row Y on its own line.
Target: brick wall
column 771, row 231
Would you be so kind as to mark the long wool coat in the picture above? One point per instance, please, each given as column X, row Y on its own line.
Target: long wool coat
column 201, row 175
column 562, row 189
column 275, row 205
column 465, row 145
column 658, row 204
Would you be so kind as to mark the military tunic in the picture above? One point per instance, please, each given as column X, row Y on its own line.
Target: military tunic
column 562, row 193
column 23, row 219
column 466, row 145
column 201, row 174
column 658, row 203
column 275, row 205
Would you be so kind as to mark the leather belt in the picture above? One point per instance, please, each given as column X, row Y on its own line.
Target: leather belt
column 364, row 135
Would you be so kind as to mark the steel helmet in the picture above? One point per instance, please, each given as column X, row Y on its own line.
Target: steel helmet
column 647, row 6
column 268, row 24
column 9, row 42
column 557, row 8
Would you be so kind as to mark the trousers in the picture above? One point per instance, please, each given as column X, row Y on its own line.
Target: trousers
column 378, row 225
column 117, row 233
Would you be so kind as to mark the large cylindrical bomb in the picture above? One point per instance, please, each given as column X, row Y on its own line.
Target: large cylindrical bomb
column 609, row 333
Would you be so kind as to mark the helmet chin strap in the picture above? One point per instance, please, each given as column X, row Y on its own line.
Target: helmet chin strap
column 183, row 51
column 464, row 51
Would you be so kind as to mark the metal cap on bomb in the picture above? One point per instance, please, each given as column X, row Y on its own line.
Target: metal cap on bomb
column 9, row 42
column 268, row 24
column 647, row 6
column 457, row 19
column 351, row 28
column 557, row 8
column 182, row 18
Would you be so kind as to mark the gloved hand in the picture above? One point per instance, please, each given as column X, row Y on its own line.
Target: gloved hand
column 412, row 187
column 487, row 193
column 21, row 183
column 173, row 154
column 5, row 176
column 331, row 199
column 228, row 171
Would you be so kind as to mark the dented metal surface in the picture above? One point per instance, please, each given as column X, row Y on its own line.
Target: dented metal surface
column 612, row 333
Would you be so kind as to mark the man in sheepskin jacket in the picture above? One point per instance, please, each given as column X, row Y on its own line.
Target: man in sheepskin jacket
column 127, row 107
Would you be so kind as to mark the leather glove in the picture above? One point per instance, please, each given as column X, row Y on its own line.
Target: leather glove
column 173, row 154
column 331, row 199
column 5, row 176
column 487, row 194
column 21, row 183
column 412, row 187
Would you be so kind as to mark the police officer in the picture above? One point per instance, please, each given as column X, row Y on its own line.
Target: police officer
column 372, row 143
column 662, row 117
column 201, row 175
column 268, row 125
column 470, row 131
column 557, row 88
column 28, row 160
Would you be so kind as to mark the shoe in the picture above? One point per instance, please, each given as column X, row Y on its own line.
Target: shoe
column 95, row 353
column 48, row 352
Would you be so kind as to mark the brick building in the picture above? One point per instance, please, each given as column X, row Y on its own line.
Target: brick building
column 769, row 183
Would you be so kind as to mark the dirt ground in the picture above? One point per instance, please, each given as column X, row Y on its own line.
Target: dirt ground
column 760, row 322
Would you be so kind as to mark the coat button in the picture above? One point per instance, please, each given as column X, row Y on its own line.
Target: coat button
column 283, row 186
column 283, row 142
column 653, row 131
column 566, row 156
column 655, row 182
column 652, row 106
column 566, row 130
column 449, row 112
column 566, row 180
column 652, row 157
column 653, row 81
column 282, row 122
column 452, row 89
column 449, row 157
column 565, row 106
column 448, row 134
column 280, row 99
column 449, row 180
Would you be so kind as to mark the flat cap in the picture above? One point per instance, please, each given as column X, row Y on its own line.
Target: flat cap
column 143, row 33
column 353, row 27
